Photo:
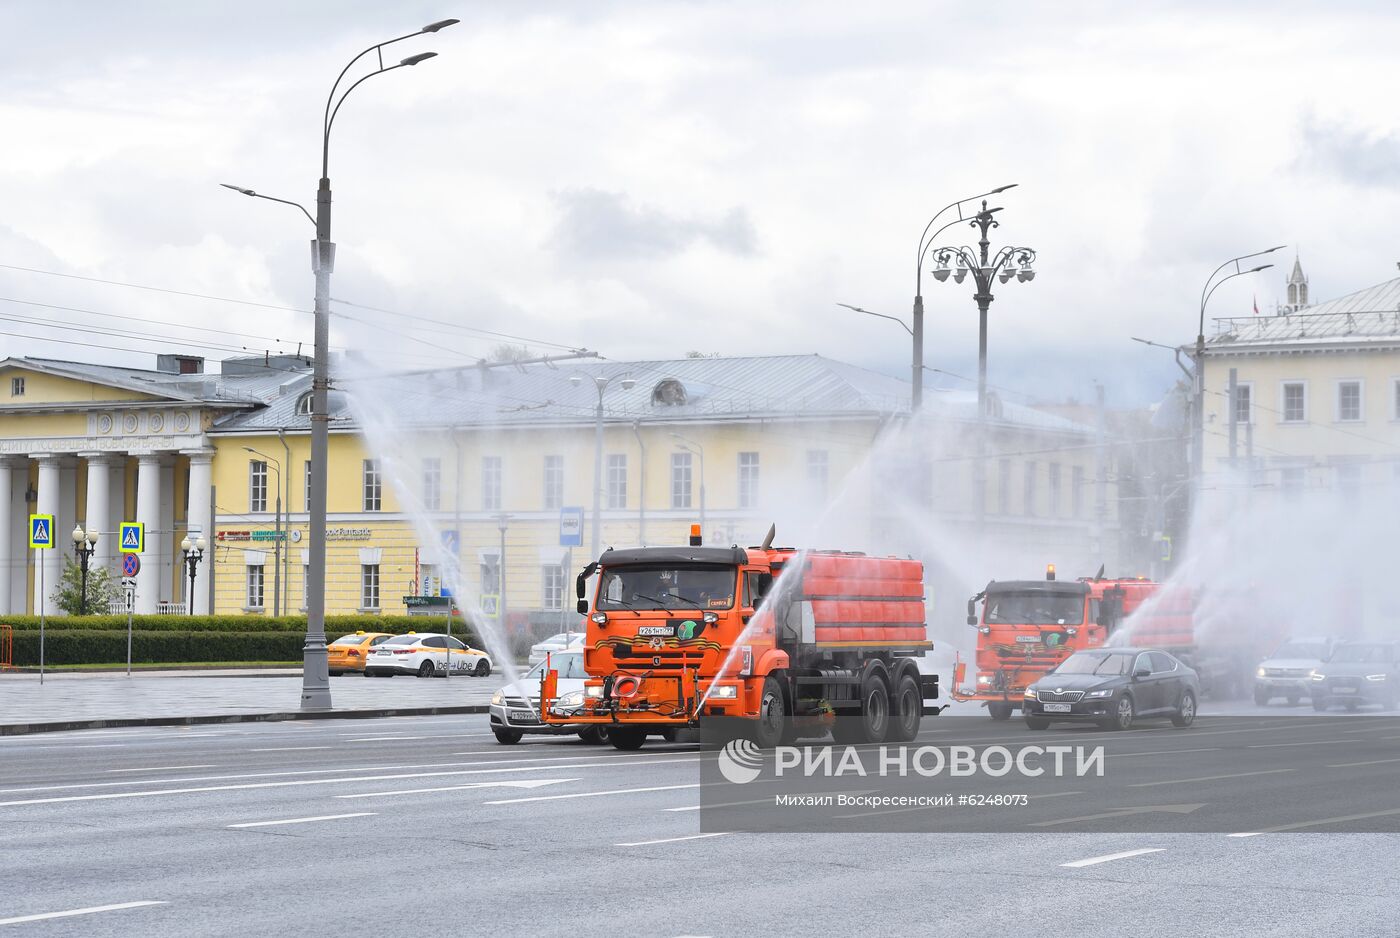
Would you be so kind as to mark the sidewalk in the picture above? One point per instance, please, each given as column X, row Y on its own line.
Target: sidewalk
column 81, row 700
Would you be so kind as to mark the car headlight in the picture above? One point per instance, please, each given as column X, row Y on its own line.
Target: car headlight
column 595, row 690
column 1318, row 676
column 1030, row 693
column 498, row 699
column 571, row 699
column 1106, row 692
column 725, row 692
column 1261, row 672
column 1375, row 677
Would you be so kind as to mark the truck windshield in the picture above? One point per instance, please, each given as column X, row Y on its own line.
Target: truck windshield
column 1083, row 663
column 669, row 586
column 1036, row 608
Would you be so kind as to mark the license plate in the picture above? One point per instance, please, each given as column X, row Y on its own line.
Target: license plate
column 1344, row 690
column 1057, row 708
column 523, row 716
column 656, row 631
column 1028, row 639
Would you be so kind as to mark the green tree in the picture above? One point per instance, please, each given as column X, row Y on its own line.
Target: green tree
column 69, row 594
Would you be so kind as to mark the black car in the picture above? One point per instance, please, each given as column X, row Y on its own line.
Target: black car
column 1112, row 687
column 1357, row 673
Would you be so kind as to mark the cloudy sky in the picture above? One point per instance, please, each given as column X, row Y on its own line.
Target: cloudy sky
column 651, row 178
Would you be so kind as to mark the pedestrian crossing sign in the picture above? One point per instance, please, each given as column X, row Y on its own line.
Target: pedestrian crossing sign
column 132, row 538
column 41, row 532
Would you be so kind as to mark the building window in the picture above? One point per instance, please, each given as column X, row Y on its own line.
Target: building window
column 748, row 480
column 1244, row 403
column 617, row 480
column 369, row 586
column 818, row 472
column 553, row 482
column 306, row 489
column 257, row 485
column 553, row 587
column 490, row 575
column 1004, row 486
column 255, row 587
column 16, row 387
column 374, row 486
column 1053, row 509
column 1076, row 491
column 490, row 483
column 680, row 480
column 1295, row 402
column 1349, row 401
column 1029, row 495
column 432, row 483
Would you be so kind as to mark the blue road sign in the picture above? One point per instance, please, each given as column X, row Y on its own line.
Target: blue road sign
column 41, row 531
column 571, row 527
column 450, row 542
column 132, row 537
column 131, row 564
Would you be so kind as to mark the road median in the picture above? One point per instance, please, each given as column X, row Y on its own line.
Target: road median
column 55, row 726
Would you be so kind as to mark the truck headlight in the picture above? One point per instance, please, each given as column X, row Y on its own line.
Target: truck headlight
column 984, row 679
column 710, row 618
column 498, row 699
column 570, row 700
column 1318, row 676
column 725, row 692
column 1261, row 672
column 1106, row 692
column 601, row 618
column 593, row 690
column 1375, row 677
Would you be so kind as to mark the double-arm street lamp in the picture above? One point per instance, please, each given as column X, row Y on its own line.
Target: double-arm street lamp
column 984, row 267
column 601, row 384
column 316, row 683
column 84, row 543
column 194, row 553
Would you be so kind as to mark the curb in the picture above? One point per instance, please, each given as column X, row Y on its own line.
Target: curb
column 21, row 729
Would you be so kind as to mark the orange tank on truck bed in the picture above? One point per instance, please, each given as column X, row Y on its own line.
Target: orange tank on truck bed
column 779, row 643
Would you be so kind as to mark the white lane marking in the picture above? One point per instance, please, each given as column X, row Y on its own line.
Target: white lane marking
column 1329, row 820
column 168, row 768
column 291, row 749
column 318, row 781
column 1162, row 752
column 671, row 840
column 20, row 919
column 383, row 739
column 1250, row 834
column 1206, row 778
column 594, row 794
column 1108, row 857
column 304, row 820
column 1352, row 765
column 654, row 759
column 1315, row 742
column 523, row 783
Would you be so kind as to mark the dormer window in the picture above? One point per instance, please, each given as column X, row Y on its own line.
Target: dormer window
column 304, row 405
column 16, row 387
column 670, row 392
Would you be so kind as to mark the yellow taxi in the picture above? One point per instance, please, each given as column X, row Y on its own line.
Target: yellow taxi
column 348, row 653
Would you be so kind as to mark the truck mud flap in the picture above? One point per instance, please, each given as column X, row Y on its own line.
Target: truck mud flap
column 928, row 686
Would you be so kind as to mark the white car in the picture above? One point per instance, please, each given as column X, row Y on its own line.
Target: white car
column 1287, row 673
column 425, row 654
column 564, row 641
column 515, row 708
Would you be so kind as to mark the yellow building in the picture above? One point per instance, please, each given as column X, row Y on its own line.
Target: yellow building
column 434, row 477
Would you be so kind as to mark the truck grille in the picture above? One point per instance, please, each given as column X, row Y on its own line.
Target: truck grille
column 1050, row 696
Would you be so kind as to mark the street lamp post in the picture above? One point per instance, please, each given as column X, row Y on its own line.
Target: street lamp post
column 316, row 682
column 276, row 535
column 690, row 446
column 984, row 267
column 601, row 384
column 194, row 553
column 1198, row 430
column 84, row 543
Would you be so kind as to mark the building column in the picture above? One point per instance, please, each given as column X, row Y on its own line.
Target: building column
column 148, row 514
column 162, row 548
column 9, row 469
column 98, row 513
column 200, row 524
column 49, row 566
column 17, row 539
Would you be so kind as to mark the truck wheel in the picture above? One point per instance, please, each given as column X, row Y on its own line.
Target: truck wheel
column 594, row 735
column 1261, row 697
column 626, row 738
column 873, row 724
column 769, row 728
column 908, row 710
column 508, row 737
column 999, row 711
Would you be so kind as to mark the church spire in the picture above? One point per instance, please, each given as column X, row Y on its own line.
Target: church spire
column 1297, row 287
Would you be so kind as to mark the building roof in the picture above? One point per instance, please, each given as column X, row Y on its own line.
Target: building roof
column 253, row 388
column 1366, row 317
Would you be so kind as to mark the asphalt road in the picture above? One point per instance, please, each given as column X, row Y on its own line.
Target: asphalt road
column 424, row 825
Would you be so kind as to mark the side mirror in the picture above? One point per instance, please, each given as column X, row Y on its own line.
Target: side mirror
column 582, row 607
column 972, row 611
column 971, row 620
column 1141, row 672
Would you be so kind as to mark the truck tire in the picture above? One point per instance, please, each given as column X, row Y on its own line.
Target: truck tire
column 626, row 738
column 873, row 723
column 772, row 723
column 999, row 711
column 594, row 735
column 907, row 710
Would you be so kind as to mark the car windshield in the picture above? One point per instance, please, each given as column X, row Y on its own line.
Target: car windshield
column 1300, row 650
column 1035, row 608
column 403, row 640
column 1359, row 654
column 1084, row 663
column 567, row 666
column 667, row 586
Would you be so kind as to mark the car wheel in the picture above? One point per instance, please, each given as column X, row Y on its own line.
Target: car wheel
column 999, row 711
column 1261, row 697
column 1185, row 713
column 425, row 669
column 626, row 738
column 594, row 735
column 508, row 737
column 1033, row 723
column 1293, row 699
column 1351, row 706
column 1122, row 717
column 908, row 710
column 1319, row 704
column 482, row 669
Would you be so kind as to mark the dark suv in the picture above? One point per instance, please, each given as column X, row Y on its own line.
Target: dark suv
column 1357, row 673
column 1112, row 687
